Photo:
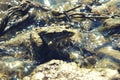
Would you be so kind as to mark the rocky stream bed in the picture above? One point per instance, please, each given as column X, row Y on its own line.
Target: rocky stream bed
column 59, row 40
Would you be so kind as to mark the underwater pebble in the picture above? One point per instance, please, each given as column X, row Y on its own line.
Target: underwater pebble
column 26, row 78
column 38, row 76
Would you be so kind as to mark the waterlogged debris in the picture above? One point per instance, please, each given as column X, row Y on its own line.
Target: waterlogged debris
column 41, row 15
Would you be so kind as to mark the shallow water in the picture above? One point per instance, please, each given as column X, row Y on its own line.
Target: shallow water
column 19, row 56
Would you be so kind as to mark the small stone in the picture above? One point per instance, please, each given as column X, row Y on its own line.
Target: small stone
column 26, row 78
column 38, row 76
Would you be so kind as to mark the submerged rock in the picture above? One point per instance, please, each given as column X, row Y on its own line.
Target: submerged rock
column 110, row 27
column 57, row 70
column 12, row 67
column 111, row 7
column 107, row 62
column 108, row 50
column 85, row 48
column 60, row 42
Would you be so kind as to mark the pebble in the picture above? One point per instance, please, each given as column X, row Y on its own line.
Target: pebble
column 26, row 78
column 38, row 76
